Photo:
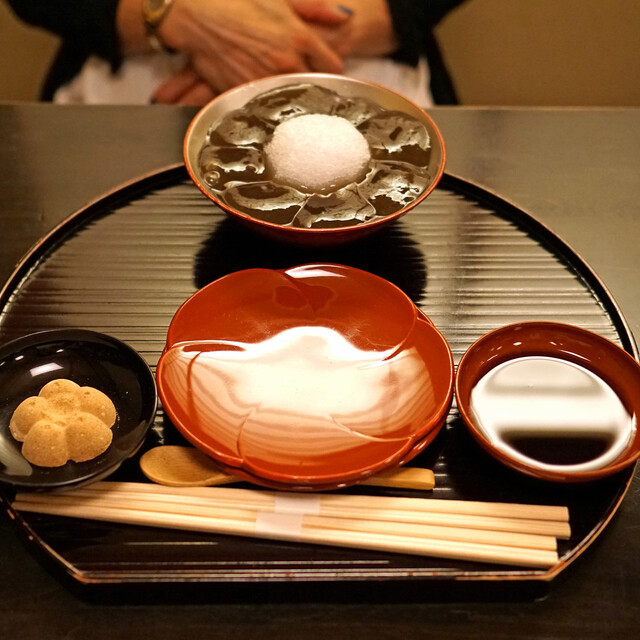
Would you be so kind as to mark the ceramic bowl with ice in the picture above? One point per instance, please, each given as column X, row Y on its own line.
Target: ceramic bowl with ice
column 314, row 158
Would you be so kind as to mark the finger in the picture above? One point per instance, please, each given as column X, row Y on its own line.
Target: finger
column 176, row 86
column 242, row 66
column 237, row 68
column 263, row 58
column 320, row 56
column 337, row 39
column 321, row 11
column 197, row 96
column 291, row 62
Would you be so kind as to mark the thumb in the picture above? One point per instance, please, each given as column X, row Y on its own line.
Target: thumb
column 323, row 12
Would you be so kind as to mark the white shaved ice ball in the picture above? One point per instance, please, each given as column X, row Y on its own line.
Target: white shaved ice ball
column 317, row 153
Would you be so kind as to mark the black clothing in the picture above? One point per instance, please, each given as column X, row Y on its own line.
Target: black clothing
column 414, row 21
column 87, row 27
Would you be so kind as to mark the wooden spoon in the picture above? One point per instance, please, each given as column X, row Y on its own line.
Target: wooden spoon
column 176, row 466
column 182, row 467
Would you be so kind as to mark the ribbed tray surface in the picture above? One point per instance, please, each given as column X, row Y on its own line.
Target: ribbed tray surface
column 124, row 265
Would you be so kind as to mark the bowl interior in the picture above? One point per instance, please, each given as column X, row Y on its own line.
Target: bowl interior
column 594, row 366
column 344, row 87
column 88, row 359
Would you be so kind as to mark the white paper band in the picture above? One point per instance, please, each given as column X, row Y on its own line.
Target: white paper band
column 279, row 525
column 296, row 503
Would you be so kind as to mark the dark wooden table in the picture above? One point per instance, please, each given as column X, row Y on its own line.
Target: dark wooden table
column 575, row 170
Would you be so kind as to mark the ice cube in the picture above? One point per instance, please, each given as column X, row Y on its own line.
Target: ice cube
column 265, row 201
column 240, row 128
column 393, row 186
column 398, row 137
column 345, row 207
column 220, row 165
column 280, row 104
column 357, row 110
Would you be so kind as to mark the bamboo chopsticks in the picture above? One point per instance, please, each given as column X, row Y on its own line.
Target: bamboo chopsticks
column 502, row 533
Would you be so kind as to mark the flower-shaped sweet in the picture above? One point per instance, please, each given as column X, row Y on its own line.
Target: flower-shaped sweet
column 321, row 374
column 63, row 422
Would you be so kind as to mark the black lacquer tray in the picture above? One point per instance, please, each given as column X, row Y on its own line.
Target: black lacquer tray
column 471, row 261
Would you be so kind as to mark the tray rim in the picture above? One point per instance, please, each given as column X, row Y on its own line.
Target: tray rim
column 171, row 174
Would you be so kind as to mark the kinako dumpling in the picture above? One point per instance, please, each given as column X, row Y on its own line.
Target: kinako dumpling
column 63, row 422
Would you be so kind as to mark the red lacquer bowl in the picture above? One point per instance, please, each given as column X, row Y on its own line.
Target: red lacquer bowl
column 308, row 378
column 346, row 88
column 588, row 400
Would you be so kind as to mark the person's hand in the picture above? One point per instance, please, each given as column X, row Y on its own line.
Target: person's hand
column 321, row 12
column 368, row 32
column 282, row 43
column 184, row 88
column 232, row 42
column 229, row 43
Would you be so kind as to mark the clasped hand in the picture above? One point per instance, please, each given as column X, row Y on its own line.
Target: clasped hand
column 229, row 42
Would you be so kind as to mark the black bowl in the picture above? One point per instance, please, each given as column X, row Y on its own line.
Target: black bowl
column 89, row 359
